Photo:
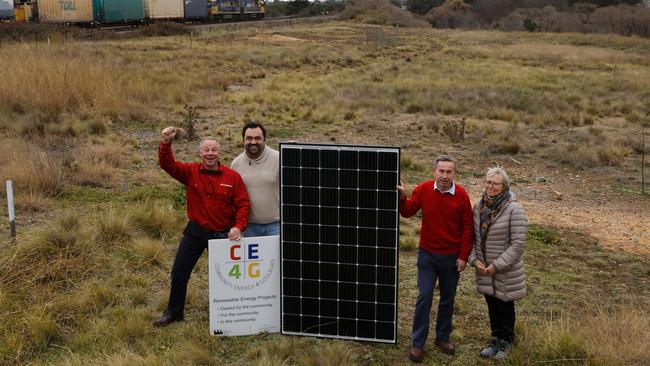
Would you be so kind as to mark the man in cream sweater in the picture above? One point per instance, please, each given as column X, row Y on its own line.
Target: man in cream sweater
column 259, row 167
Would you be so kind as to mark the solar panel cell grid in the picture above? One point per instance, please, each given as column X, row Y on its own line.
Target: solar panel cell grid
column 339, row 241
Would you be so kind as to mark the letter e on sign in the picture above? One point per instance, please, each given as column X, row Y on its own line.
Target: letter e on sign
column 253, row 251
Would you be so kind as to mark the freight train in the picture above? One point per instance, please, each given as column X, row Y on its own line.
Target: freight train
column 100, row 12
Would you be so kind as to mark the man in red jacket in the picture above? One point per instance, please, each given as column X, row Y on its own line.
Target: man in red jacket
column 445, row 244
column 217, row 208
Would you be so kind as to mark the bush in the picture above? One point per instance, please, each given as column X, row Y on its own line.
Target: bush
column 579, row 157
column 422, row 6
column 530, row 25
column 455, row 130
column 148, row 250
column 113, row 227
column 95, row 165
column 96, row 127
column 380, row 12
column 157, row 221
column 32, row 170
column 625, row 20
column 504, row 146
column 452, row 14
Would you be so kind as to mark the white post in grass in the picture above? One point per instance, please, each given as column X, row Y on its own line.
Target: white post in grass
column 12, row 216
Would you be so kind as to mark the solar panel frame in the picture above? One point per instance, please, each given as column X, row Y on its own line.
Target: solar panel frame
column 333, row 258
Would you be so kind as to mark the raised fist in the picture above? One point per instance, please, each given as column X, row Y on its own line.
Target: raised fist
column 168, row 134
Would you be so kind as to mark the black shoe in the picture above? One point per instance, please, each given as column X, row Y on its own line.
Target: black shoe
column 166, row 319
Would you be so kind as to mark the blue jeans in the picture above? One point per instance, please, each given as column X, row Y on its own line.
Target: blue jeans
column 272, row 228
column 432, row 268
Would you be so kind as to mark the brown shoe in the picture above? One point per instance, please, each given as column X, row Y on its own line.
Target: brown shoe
column 166, row 319
column 416, row 354
column 446, row 346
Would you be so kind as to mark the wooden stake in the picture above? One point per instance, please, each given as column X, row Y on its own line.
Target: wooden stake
column 12, row 216
column 643, row 161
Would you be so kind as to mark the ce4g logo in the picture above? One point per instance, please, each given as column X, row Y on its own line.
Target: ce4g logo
column 246, row 261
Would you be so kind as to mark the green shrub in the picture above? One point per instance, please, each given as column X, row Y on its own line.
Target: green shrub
column 156, row 221
column 544, row 235
column 113, row 227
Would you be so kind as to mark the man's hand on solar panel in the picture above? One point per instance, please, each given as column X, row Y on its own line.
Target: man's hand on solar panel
column 401, row 189
column 234, row 234
column 168, row 134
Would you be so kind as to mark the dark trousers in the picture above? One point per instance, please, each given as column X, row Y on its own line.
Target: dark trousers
column 194, row 242
column 432, row 268
column 502, row 318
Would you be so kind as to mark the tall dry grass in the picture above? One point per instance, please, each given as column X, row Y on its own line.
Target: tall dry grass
column 96, row 164
column 601, row 337
column 34, row 171
column 59, row 79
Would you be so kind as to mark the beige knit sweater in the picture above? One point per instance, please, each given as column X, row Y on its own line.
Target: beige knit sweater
column 504, row 248
column 262, row 179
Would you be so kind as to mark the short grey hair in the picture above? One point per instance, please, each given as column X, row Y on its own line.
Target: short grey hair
column 445, row 158
column 205, row 139
column 498, row 170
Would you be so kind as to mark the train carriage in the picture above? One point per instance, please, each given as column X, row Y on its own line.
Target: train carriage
column 196, row 9
column 225, row 9
column 98, row 12
column 252, row 8
column 65, row 11
column 118, row 11
column 164, row 9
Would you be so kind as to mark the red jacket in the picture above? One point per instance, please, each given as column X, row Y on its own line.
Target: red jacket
column 447, row 221
column 216, row 200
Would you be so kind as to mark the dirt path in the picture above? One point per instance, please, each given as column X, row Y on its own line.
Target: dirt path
column 618, row 222
column 585, row 204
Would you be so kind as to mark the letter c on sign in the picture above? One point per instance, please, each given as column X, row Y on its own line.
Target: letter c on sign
column 233, row 256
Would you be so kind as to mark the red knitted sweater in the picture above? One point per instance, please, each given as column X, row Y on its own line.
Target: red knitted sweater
column 446, row 219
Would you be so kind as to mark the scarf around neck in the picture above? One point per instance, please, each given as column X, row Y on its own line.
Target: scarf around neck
column 489, row 210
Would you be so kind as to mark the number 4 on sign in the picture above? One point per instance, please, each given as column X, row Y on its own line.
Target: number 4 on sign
column 234, row 271
column 253, row 271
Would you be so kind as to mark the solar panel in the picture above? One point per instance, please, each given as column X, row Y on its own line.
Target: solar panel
column 339, row 241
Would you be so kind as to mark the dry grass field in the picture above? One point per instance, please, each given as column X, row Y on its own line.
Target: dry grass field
column 98, row 221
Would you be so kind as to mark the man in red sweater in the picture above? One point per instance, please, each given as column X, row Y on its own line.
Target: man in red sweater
column 217, row 208
column 445, row 244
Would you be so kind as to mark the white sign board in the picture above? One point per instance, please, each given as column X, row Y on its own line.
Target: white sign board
column 244, row 285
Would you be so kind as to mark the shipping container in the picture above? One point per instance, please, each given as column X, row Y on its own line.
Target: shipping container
column 118, row 11
column 65, row 11
column 196, row 9
column 6, row 9
column 163, row 9
column 23, row 13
